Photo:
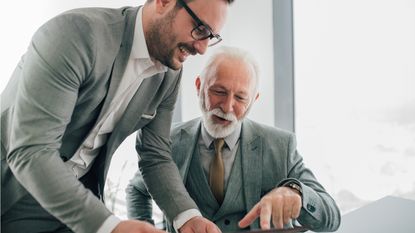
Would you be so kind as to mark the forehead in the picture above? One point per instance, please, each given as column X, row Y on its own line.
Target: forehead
column 232, row 74
column 211, row 12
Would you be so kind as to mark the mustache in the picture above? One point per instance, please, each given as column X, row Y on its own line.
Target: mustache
column 189, row 48
column 227, row 116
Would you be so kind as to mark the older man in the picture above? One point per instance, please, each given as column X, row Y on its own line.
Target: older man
column 235, row 169
column 90, row 78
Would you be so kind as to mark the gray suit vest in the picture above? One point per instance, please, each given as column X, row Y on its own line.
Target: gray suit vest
column 234, row 202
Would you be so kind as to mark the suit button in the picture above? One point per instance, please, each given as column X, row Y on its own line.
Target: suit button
column 311, row 208
column 227, row 222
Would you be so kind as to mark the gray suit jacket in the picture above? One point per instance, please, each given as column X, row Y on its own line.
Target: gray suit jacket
column 56, row 95
column 269, row 159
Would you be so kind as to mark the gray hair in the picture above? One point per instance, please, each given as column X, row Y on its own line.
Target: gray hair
column 227, row 52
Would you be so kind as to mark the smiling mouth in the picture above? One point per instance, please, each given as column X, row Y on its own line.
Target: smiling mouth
column 221, row 120
column 184, row 51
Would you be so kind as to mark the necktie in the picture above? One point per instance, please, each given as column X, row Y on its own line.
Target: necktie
column 217, row 171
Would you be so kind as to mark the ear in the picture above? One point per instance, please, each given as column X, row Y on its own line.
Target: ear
column 163, row 6
column 197, row 84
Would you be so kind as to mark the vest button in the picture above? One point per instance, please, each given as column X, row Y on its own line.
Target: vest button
column 311, row 208
column 227, row 222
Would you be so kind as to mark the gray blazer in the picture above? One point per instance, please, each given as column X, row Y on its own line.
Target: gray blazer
column 57, row 94
column 269, row 159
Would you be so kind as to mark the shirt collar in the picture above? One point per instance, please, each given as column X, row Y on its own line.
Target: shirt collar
column 139, row 48
column 230, row 140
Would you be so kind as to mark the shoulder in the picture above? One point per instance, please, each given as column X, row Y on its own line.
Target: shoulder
column 266, row 129
column 83, row 27
column 91, row 22
column 269, row 134
column 95, row 15
column 187, row 126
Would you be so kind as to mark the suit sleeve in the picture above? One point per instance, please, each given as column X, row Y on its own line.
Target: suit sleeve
column 159, row 171
column 59, row 59
column 139, row 201
column 319, row 211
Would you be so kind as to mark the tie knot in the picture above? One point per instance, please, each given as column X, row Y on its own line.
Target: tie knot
column 218, row 143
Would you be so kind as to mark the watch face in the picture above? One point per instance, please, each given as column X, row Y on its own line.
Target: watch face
column 296, row 187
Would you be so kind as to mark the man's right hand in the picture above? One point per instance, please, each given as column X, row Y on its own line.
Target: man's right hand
column 199, row 225
column 135, row 226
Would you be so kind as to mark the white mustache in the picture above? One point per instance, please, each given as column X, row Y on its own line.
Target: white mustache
column 227, row 116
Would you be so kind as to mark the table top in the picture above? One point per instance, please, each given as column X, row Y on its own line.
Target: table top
column 387, row 215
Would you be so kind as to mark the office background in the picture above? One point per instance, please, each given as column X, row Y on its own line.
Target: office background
column 341, row 74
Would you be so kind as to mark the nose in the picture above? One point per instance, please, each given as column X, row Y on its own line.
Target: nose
column 201, row 46
column 227, row 104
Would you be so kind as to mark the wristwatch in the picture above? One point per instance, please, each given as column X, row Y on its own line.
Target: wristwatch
column 295, row 186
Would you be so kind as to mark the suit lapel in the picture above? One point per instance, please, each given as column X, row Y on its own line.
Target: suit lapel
column 121, row 60
column 135, row 108
column 183, row 152
column 141, row 99
column 251, row 165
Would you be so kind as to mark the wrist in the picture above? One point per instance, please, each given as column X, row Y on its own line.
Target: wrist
column 295, row 187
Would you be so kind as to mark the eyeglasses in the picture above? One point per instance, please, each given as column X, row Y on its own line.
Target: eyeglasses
column 201, row 31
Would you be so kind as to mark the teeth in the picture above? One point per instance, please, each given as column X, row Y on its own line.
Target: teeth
column 184, row 50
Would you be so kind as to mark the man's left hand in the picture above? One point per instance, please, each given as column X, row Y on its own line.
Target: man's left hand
column 281, row 204
column 199, row 225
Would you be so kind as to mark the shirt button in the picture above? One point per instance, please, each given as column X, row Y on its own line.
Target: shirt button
column 227, row 222
column 311, row 208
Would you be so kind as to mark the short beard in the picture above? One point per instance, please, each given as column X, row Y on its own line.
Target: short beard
column 160, row 40
column 217, row 130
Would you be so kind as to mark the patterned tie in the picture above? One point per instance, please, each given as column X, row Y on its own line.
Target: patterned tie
column 217, row 171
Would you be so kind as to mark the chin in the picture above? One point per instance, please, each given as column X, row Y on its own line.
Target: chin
column 218, row 130
column 175, row 64
column 172, row 64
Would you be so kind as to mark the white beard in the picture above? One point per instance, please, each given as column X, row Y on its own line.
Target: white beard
column 218, row 130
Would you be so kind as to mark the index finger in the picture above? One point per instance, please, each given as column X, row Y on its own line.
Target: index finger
column 250, row 217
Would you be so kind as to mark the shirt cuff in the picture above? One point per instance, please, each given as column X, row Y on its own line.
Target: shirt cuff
column 183, row 217
column 109, row 224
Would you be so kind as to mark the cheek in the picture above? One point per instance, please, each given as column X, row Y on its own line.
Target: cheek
column 212, row 102
column 183, row 35
column 240, row 111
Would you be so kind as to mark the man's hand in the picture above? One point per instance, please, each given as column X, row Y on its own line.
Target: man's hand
column 135, row 226
column 282, row 204
column 199, row 225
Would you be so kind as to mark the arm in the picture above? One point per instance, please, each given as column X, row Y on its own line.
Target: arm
column 161, row 174
column 313, row 207
column 319, row 211
column 58, row 61
column 158, row 169
column 139, row 201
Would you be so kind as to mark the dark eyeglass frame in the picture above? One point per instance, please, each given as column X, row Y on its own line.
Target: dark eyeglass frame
column 200, row 23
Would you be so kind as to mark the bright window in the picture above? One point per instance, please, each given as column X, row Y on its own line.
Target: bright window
column 355, row 96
